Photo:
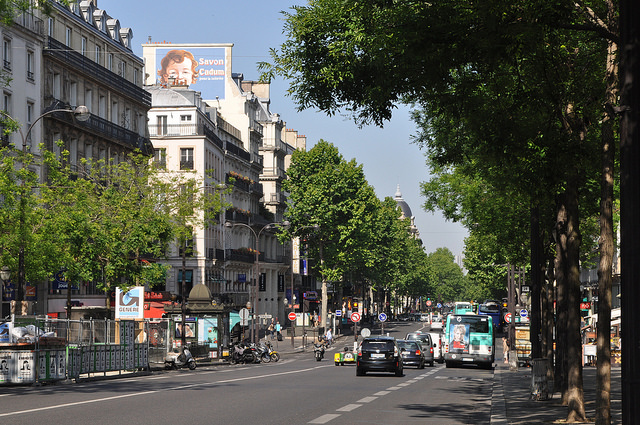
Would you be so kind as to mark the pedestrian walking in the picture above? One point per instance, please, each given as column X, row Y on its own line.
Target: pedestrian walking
column 278, row 330
column 505, row 349
column 271, row 330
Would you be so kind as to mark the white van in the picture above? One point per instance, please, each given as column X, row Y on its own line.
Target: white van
column 438, row 340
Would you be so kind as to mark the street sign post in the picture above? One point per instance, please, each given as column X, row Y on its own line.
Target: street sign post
column 382, row 317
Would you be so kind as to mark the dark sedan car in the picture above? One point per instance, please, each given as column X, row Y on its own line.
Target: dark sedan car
column 412, row 353
column 427, row 344
column 379, row 354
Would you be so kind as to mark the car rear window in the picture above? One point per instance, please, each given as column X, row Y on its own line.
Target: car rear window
column 408, row 345
column 377, row 345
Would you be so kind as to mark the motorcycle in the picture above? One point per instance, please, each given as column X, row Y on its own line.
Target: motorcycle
column 242, row 354
column 318, row 351
column 177, row 359
column 262, row 352
column 272, row 353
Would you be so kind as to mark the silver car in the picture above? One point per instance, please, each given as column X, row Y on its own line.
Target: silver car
column 427, row 345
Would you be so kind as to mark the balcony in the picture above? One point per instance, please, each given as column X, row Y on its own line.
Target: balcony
column 237, row 216
column 239, row 152
column 106, row 129
column 77, row 62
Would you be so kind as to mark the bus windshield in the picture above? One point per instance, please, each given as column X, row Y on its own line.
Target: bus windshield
column 476, row 324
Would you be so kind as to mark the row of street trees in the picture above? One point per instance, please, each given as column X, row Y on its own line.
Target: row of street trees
column 516, row 107
column 355, row 237
column 102, row 222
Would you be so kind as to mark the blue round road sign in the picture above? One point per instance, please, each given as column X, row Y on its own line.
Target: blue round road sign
column 382, row 317
column 439, row 305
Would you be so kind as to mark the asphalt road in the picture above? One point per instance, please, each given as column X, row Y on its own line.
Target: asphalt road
column 295, row 390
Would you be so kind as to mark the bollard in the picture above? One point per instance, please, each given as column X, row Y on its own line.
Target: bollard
column 539, row 382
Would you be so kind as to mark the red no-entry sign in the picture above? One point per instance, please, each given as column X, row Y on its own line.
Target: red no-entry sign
column 292, row 316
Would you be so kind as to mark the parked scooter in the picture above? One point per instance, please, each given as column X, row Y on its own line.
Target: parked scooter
column 241, row 353
column 262, row 352
column 177, row 359
column 275, row 356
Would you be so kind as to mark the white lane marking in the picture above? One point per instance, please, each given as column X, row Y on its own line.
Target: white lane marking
column 323, row 419
column 381, row 393
column 136, row 394
column 405, row 384
column 367, row 400
column 393, row 388
column 348, row 408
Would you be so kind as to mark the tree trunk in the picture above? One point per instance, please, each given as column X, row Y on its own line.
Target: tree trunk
column 630, row 205
column 548, row 317
column 536, row 284
column 575, row 389
column 560, row 382
column 603, row 358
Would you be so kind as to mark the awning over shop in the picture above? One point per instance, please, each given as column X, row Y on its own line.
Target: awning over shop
column 154, row 310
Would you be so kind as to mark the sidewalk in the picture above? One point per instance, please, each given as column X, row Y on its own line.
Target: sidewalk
column 511, row 402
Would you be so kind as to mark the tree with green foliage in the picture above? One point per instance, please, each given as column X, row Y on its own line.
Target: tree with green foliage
column 450, row 284
column 328, row 191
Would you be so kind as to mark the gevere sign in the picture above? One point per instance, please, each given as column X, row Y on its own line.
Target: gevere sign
column 130, row 305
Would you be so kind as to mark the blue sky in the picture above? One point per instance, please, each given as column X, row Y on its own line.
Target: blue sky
column 253, row 26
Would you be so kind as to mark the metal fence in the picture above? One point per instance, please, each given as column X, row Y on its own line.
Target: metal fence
column 51, row 349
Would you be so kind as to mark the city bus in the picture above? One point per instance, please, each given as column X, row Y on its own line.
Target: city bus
column 462, row 307
column 469, row 339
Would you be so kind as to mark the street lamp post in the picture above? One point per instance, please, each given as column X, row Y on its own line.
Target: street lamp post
column 82, row 114
column 256, row 268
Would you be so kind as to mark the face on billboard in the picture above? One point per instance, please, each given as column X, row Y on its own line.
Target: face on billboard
column 200, row 68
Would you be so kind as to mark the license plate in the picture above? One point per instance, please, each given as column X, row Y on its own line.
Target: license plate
column 377, row 356
column 467, row 360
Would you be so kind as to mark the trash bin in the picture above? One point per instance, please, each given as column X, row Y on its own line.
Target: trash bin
column 539, row 381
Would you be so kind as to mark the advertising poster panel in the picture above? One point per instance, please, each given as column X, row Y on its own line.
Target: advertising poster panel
column 459, row 338
column 5, row 363
column 130, row 304
column 200, row 67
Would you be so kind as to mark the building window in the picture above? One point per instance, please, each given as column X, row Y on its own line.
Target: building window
column 30, row 110
column 67, row 37
column 83, row 46
column 98, row 55
column 56, row 86
column 186, row 158
column 30, row 65
column 185, row 118
column 56, row 145
column 88, row 98
column 73, row 154
column 6, row 103
column 135, row 77
column 160, row 158
column 122, row 70
column 30, row 114
column 114, row 113
column 110, row 62
column 6, row 54
column 73, row 94
column 50, row 27
column 162, row 125
column 102, row 107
